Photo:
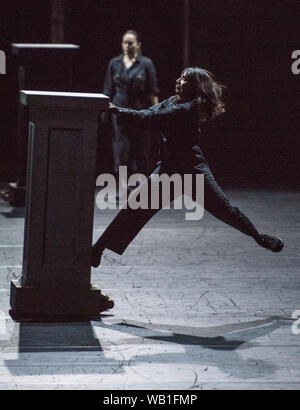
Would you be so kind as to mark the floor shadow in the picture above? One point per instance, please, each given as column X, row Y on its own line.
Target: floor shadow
column 57, row 337
column 57, row 345
column 17, row 212
column 210, row 337
column 225, row 340
column 74, row 348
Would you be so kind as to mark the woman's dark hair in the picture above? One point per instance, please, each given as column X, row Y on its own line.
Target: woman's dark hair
column 208, row 93
column 134, row 33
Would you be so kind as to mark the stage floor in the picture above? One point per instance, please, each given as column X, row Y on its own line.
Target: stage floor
column 198, row 305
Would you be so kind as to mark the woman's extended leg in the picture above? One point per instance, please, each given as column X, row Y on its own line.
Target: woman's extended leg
column 129, row 222
column 219, row 205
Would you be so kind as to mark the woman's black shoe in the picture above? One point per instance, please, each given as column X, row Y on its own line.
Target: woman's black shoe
column 270, row 242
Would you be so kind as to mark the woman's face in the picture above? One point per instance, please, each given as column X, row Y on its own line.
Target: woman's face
column 184, row 88
column 130, row 45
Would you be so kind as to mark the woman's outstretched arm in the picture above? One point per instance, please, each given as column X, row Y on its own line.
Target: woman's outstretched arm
column 153, row 118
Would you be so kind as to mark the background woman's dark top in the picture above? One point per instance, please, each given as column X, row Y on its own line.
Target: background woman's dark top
column 131, row 87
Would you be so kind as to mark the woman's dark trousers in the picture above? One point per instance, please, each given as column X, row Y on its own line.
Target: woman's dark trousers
column 128, row 223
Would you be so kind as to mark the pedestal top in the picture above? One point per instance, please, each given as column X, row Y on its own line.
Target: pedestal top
column 16, row 46
column 28, row 50
column 64, row 99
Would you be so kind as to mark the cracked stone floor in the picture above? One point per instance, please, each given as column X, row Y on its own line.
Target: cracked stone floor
column 198, row 305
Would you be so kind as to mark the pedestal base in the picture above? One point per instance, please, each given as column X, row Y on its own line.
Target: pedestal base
column 27, row 301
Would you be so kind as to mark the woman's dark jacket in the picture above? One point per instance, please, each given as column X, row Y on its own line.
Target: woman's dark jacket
column 178, row 126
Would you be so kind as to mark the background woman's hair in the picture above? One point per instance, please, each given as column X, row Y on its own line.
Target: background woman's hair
column 208, row 93
column 134, row 33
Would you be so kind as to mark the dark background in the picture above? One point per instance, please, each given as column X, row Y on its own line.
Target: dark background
column 246, row 44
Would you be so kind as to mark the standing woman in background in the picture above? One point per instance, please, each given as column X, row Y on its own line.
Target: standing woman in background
column 131, row 82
